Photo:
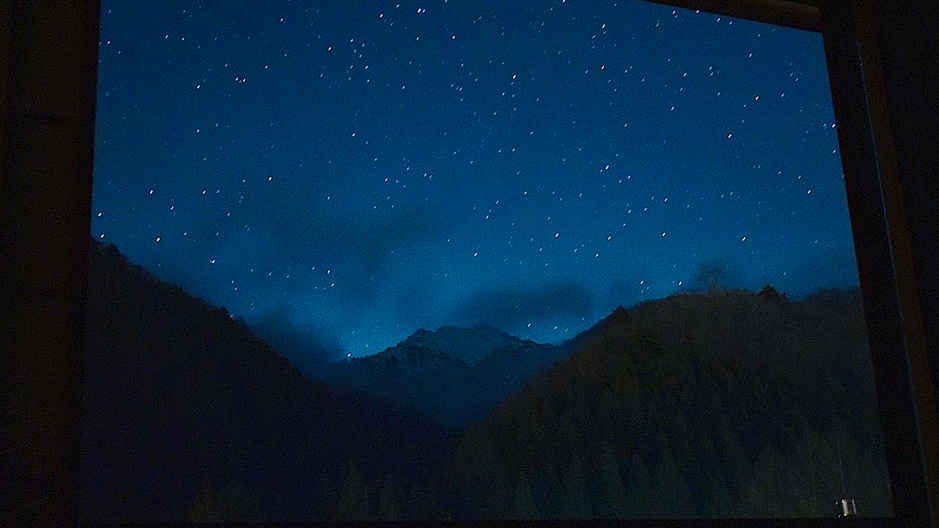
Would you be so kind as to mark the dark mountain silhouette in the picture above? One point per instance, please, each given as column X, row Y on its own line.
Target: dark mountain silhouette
column 188, row 416
column 726, row 403
column 454, row 375
column 722, row 404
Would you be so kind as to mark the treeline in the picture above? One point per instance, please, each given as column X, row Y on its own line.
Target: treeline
column 351, row 496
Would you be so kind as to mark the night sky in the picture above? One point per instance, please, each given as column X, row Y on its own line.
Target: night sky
column 351, row 171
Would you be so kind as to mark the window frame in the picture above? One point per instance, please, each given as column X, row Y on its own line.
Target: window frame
column 885, row 260
column 881, row 246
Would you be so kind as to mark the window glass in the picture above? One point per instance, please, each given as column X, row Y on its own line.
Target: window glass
column 530, row 260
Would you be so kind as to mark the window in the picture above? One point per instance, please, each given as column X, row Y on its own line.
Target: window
column 333, row 182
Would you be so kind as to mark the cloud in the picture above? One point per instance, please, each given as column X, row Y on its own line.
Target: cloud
column 306, row 347
column 512, row 307
column 360, row 249
column 413, row 304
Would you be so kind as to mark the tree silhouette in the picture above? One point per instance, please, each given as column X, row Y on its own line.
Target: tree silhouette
column 639, row 497
column 232, row 503
column 523, row 507
column 711, row 275
column 674, row 498
column 388, row 500
column 353, row 499
column 611, row 502
column 771, row 294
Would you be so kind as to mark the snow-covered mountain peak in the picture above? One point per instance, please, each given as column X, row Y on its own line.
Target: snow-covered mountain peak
column 470, row 345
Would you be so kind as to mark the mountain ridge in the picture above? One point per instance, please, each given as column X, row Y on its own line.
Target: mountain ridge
column 704, row 404
column 453, row 374
column 718, row 404
column 468, row 344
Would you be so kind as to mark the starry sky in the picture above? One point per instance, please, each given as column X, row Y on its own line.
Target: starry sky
column 351, row 171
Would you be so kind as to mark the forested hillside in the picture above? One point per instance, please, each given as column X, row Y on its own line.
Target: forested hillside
column 722, row 404
column 188, row 416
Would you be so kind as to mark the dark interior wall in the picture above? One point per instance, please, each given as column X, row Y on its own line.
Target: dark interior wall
column 903, row 66
column 48, row 58
column 910, row 53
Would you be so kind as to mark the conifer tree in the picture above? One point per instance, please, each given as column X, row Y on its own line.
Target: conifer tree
column 611, row 502
column 523, row 507
column 639, row 495
column 353, row 500
column 718, row 504
column 674, row 499
column 232, row 503
column 328, row 496
column 576, row 490
column 388, row 500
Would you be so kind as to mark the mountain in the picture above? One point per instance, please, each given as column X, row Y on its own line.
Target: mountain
column 724, row 404
column 469, row 345
column 454, row 375
column 720, row 404
column 188, row 416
